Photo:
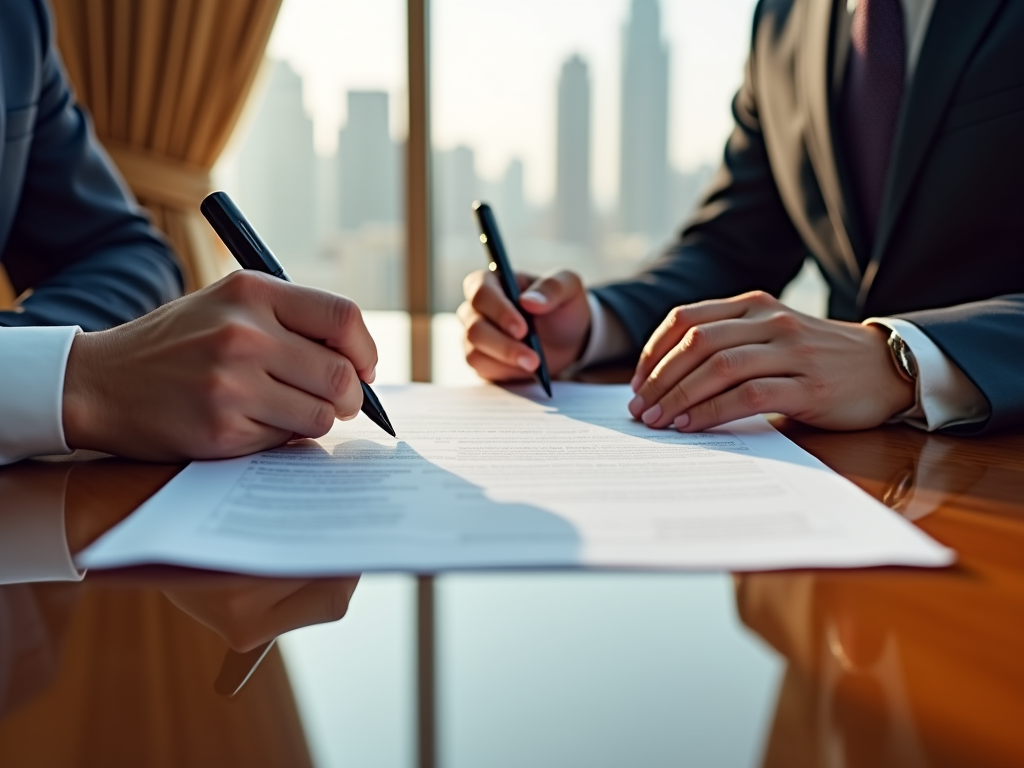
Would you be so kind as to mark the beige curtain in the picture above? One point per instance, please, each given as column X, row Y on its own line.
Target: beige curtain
column 165, row 81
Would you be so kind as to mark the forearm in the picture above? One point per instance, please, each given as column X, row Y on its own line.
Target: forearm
column 631, row 310
column 683, row 275
column 105, row 289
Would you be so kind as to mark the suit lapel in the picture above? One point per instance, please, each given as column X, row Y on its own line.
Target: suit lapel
column 814, row 69
column 953, row 34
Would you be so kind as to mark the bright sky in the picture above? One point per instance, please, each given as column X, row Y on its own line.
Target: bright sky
column 495, row 70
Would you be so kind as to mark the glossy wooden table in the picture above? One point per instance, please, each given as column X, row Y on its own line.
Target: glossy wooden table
column 906, row 667
column 885, row 666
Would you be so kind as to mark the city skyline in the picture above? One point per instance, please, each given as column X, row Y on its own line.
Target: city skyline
column 483, row 84
column 368, row 159
column 353, row 201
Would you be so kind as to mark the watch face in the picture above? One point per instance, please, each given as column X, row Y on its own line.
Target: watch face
column 903, row 357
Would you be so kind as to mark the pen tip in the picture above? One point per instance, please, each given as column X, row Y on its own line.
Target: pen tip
column 379, row 418
column 384, row 423
column 544, row 378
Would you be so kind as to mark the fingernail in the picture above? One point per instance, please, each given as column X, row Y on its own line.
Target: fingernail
column 372, row 375
column 635, row 382
column 636, row 406
column 652, row 414
column 682, row 421
column 535, row 297
column 527, row 363
column 514, row 330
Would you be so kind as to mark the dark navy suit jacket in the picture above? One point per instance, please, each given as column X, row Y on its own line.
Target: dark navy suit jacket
column 949, row 253
column 69, row 229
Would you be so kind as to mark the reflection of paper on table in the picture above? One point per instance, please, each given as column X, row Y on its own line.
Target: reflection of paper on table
column 488, row 478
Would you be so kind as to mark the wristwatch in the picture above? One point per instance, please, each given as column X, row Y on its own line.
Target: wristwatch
column 902, row 357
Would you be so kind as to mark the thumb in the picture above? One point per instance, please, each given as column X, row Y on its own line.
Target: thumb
column 549, row 293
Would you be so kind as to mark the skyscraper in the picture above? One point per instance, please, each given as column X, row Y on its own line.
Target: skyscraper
column 368, row 163
column 572, row 179
column 643, row 156
column 456, row 186
column 510, row 200
column 277, row 168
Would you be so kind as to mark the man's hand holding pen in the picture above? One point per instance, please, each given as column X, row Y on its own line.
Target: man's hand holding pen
column 494, row 328
column 234, row 368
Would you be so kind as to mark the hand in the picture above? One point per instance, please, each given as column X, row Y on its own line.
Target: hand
column 716, row 361
column 494, row 329
column 229, row 370
column 249, row 611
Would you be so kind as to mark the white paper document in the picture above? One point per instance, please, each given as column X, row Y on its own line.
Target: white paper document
column 484, row 477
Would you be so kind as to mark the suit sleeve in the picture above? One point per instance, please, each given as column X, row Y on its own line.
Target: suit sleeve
column 79, row 241
column 985, row 339
column 741, row 238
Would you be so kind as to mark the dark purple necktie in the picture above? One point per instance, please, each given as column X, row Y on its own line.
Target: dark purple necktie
column 871, row 101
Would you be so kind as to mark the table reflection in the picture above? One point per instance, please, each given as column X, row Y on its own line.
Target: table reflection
column 903, row 667
column 122, row 665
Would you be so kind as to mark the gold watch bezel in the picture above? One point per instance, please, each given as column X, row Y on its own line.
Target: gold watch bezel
column 902, row 357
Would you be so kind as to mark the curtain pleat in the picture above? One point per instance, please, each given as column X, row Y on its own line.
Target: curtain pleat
column 122, row 54
column 149, row 46
column 165, row 82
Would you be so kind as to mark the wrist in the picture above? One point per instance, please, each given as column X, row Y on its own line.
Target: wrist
column 905, row 393
column 900, row 389
column 81, row 397
column 604, row 338
column 584, row 345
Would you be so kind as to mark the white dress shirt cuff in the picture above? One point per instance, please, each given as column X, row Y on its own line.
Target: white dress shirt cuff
column 32, row 365
column 945, row 396
column 33, row 543
column 608, row 339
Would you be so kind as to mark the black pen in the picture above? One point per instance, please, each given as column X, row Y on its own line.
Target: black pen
column 252, row 253
column 499, row 265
